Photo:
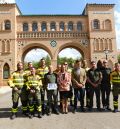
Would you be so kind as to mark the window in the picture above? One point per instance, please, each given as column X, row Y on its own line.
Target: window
column 7, row 25
column 79, row 26
column 25, row 26
column 70, row 26
column 96, row 24
column 3, row 46
column 108, row 24
column 34, row 27
column 53, row 26
column 44, row 26
column 62, row 26
column 6, row 71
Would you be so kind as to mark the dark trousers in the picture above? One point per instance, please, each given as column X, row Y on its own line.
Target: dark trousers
column 42, row 92
column 97, row 93
column 105, row 90
column 52, row 99
column 79, row 94
column 87, row 95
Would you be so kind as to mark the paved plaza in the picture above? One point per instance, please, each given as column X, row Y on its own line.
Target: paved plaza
column 87, row 120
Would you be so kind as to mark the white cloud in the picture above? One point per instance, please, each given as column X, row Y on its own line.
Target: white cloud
column 117, row 26
column 35, row 55
column 70, row 52
column 7, row 1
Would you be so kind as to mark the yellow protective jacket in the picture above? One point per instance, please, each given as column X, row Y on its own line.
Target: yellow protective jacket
column 115, row 78
column 17, row 79
column 34, row 82
column 41, row 72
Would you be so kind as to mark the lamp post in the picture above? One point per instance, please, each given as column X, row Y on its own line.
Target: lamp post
column 106, row 51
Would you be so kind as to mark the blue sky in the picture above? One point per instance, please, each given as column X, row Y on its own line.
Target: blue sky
column 56, row 6
column 66, row 7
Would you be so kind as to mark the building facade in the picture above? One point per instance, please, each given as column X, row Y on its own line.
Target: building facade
column 91, row 33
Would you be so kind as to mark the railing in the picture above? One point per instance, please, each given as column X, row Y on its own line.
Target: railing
column 32, row 35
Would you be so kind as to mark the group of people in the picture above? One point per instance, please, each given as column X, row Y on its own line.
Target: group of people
column 33, row 85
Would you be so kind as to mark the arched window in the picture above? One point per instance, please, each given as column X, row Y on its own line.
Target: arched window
column 6, row 71
column 110, row 44
column 79, row 26
column 101, row 45
column 8, row 46
column 7, row 25
column 44, row 26
column 34, row 27
column 97, row 44
column 108, row 24
column 53, row 26
column 3, row 46
column 70, row 26
column 106, row 43
column 62, row 26
column 96, row 24
column 25, row 26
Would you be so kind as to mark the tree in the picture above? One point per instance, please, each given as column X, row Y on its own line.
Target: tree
column 118, row 58
column 48, row 60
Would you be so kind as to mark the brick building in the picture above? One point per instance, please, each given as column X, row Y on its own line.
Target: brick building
column 91, row 33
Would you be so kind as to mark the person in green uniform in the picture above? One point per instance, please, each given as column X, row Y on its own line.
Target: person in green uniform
column 33, row 85
column 41, row 71
column 17, row 83
column 115, row 81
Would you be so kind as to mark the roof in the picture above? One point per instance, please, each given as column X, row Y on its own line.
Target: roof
column 96, row 5
column 14, row 4
column 51, row 15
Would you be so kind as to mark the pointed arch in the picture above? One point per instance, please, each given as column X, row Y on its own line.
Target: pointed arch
column 110, row 44
column 7, row 25
column 8, row 46
column 70, row 26
column 3, row 46
column 79, row 26
column 6, row 71
column 96, row 24
column 108, row 25
column 97, row 44
column 44, row 26
column 62, row 26
column 101, row 44
column 106, row 43
column 53, row 26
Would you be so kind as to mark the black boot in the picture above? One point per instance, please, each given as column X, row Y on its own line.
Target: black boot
column 39, row 115
column 31, row 115
column 13, row 116
column 25, row 113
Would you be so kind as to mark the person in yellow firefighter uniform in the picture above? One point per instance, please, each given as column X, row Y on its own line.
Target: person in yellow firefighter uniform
column 17, row 83
column 41, row 71
column 115, row 81
column 34, row 83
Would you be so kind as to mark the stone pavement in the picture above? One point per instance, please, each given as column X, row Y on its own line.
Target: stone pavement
column 4, row 89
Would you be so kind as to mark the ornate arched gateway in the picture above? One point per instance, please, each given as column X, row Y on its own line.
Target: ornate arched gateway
column 90, row 33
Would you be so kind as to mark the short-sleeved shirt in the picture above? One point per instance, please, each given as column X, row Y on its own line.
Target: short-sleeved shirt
column 105, row 75
column 94, row 75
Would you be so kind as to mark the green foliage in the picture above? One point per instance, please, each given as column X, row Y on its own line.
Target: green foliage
column 118, row 58
column 48, row 60
column 60, row 60
column 70, row 61
column 36, row 63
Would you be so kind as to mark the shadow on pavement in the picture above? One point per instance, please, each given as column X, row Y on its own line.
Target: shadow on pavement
column 6, row 112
